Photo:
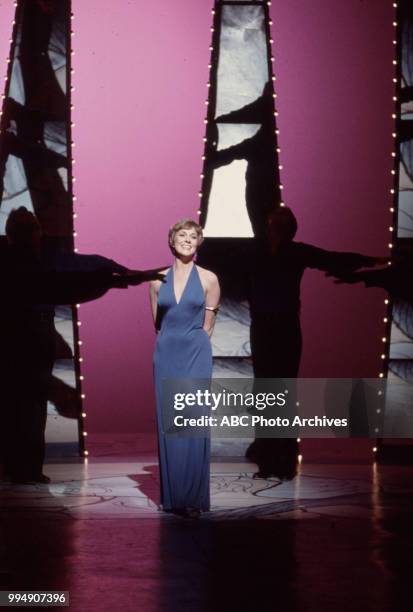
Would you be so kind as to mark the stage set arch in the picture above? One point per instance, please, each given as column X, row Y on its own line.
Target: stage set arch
column 246, row 109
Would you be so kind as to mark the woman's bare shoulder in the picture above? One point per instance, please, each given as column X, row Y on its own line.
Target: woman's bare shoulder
column 155, row 284
column 207, row 276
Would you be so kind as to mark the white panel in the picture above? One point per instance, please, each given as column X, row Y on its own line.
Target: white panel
column 243, row 62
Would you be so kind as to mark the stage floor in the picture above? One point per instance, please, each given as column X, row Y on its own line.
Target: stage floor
column 129, row 488
column 337, row 537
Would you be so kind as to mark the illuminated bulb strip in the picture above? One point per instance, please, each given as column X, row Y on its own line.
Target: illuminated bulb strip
column 8, row 61
column 392, row 227
column 209, row 84
column 393, row 171
column 276, row 114
column 81, row 378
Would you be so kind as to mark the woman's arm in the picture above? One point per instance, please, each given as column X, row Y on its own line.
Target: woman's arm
column 153, row 295
column 212, row 296
column 158, row 278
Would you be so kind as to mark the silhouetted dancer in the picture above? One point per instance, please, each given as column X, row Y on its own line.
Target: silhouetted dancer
column 27, row 337
column 262, row 174
column 276, row 340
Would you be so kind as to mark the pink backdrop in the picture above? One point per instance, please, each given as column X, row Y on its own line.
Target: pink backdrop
column 334, row 83
column 141, row 73
column 140, row 79
column 6, row 16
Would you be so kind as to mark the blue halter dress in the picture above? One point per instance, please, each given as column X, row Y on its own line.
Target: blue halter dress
column 183, row 351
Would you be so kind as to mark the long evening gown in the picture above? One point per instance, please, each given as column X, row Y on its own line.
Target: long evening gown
column 183, row 351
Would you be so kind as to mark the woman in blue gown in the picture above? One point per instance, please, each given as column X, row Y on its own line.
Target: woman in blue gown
column 184, row 308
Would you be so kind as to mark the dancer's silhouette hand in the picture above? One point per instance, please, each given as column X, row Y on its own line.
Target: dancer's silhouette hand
column 136, row 277
column 349, row 277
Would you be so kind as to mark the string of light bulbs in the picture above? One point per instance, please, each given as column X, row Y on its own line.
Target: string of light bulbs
column 76, row 318
column 387, row 319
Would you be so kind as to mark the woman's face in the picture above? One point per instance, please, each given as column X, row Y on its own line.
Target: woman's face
column 186, row 242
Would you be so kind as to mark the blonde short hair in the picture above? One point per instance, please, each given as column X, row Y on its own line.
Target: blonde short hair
column 185, row 224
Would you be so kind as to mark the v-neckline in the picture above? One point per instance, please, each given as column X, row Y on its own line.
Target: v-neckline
column 185, row 286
